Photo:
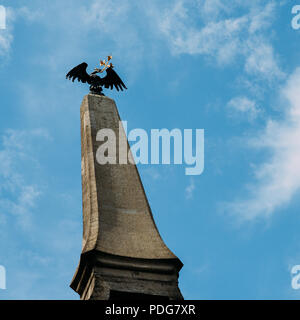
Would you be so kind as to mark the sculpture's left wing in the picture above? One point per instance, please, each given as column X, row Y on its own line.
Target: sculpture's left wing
column 79, row 73
column 112, row 80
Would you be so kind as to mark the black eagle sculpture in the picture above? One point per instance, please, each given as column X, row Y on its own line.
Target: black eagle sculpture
column 96, row 83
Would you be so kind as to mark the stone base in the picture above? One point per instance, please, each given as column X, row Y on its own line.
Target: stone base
column 102, row 276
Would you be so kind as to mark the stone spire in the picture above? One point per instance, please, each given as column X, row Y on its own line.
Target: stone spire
column 123, row 255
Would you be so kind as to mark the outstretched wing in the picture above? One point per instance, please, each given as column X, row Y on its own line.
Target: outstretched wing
column 112, row 79
column 79, row 73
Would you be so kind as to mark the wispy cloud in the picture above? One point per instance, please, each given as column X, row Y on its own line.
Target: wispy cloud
column 190, row 188
column 223, row 37
column 278, row 179
column 6, row 35
column 18, row 195
column 152, row 173
column 105, row 22
column 243, row 107
column 29, row 238
column 261, row 60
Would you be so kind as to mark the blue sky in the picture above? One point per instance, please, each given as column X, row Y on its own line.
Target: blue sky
column 228, row 67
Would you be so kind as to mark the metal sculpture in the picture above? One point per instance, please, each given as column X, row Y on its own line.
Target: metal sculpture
column 96, row 83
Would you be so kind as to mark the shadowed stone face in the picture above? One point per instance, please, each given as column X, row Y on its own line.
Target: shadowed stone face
column 117, row 216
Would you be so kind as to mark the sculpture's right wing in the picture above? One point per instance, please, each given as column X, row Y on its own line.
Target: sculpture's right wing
column 113, row 80
column 79, row 73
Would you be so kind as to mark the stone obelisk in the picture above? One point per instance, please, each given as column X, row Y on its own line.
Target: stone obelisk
column 123, row 255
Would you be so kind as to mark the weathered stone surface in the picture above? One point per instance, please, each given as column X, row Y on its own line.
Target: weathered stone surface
column 121, row 245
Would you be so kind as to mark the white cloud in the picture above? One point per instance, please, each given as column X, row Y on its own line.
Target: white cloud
column 209, row 28
column 212, row 8
column 105, row 15
column 152, row 172
column 93, row 29
column 11, row 15
column 261, row 60
column 223, row 37
column 111, row 21
column 18, row 195
column 242, row 106
column 29, row 15
column 6, row 35
column 176, row 25
column 262, row 19
column 277, row 179
column 189, row 190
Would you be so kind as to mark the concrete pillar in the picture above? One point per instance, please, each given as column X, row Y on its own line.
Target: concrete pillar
column 123, row 255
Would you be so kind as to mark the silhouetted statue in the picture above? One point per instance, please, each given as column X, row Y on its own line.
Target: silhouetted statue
column 109, row 81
